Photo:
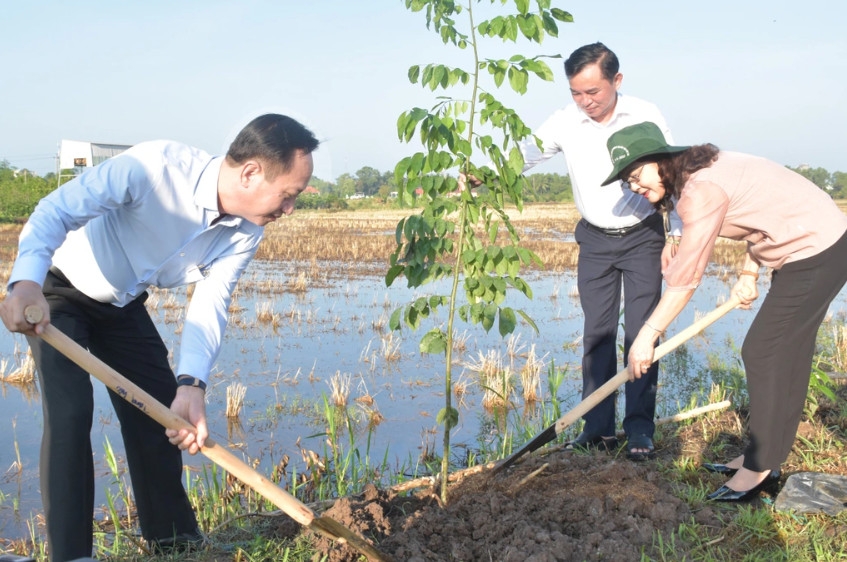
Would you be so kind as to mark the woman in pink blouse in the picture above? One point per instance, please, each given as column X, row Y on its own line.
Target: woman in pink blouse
column 791, row 226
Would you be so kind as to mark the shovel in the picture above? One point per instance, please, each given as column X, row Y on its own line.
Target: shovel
column 609, row 387
column 162, row 414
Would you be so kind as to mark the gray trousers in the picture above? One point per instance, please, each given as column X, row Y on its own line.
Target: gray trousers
column 779, row 348
column 606, row 265
column 127, row 340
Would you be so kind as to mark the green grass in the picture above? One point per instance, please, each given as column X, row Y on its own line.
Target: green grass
column 239, row 522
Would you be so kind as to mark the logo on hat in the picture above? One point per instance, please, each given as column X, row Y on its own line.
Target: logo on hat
column 618, row 153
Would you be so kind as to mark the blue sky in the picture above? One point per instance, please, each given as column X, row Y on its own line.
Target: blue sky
column 764, row 77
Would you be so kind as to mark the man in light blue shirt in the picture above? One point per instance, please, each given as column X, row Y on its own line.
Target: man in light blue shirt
column 161, row 214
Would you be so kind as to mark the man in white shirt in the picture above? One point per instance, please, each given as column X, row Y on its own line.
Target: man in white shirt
column 621, row 240
column 161, row 214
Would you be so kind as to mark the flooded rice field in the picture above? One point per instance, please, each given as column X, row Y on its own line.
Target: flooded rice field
column 306, row 332
column 291, row 351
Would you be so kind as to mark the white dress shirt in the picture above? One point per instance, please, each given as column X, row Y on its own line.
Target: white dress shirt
column 582, row 141
column 141, row 219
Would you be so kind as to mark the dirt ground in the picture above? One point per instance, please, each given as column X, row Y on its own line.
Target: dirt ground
column 552, row 505
column 577, row 507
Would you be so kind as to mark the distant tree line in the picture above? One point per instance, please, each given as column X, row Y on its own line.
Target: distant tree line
column 373, row 184
column 835, row 184
column 20, row 190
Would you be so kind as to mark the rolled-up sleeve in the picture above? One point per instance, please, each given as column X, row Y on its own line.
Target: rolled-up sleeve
column 702, row 209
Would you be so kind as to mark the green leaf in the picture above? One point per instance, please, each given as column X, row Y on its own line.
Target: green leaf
column 522, row 6
column 400, row 170
column 392, row 274
column 514, row 267
column 434, row 341
column 550, row 25
column 540, row 69
column 438, row 74
column 446, row 160
column 527, row 25
column 412, row 319
column 473, row 213
column 421, row 305
column 518, row 79
column 407, row 197
column 449, row 417
column 561, row 15
column 492, row 231
column 489, row 313
column 394, row 321
column 426, row 76
column 445, row 34
column 500, row 285
column 497, row 25
column 529, row 320
column 402, row 123
column 511, row 31
column 499, row 76
column 437, row 300
column 398, row 231
column 516, row 161
column 508, row 321
column 414, row 74
column 417, row 162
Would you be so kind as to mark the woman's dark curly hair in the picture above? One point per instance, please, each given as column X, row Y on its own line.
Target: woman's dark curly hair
column 675, row 169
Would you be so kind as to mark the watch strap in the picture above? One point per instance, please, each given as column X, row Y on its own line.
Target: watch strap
column 188, row 380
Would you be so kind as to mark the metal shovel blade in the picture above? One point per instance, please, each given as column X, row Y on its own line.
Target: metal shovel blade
column 538, row 441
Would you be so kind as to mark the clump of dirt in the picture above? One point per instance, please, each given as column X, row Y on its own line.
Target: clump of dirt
column 565, row 506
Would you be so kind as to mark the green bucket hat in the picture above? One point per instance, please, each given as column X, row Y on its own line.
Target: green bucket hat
column 635, row 142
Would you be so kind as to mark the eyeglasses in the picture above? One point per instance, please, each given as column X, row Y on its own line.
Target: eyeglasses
column 635, row 176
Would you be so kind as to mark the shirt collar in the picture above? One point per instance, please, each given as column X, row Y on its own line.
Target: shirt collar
column 621, row 108
column 206, row 195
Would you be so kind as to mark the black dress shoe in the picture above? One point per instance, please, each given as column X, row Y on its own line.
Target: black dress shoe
column 587, row 441
column 727, row 494
column 181, row 543
column 718, row 468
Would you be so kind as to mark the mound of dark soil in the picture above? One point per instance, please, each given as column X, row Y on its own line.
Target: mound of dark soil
column 564, row 506
column 558, row 504
column 575, row 507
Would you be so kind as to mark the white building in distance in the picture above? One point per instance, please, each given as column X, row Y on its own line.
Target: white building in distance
column 78, row 155
column 83, row 154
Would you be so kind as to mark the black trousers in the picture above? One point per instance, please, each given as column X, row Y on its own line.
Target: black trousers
column 779, row 348
column 127, row 340
column 606, row 265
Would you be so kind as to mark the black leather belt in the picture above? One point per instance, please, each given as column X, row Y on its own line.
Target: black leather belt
column 621, row 232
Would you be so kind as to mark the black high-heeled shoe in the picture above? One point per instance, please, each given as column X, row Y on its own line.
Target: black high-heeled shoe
column 718, row 468
column 727, row 494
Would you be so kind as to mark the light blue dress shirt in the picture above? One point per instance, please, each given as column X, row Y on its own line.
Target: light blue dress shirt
column 147, row 217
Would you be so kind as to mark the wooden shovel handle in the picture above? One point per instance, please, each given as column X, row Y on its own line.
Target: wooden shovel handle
column 622, row 377
column 162, row 414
